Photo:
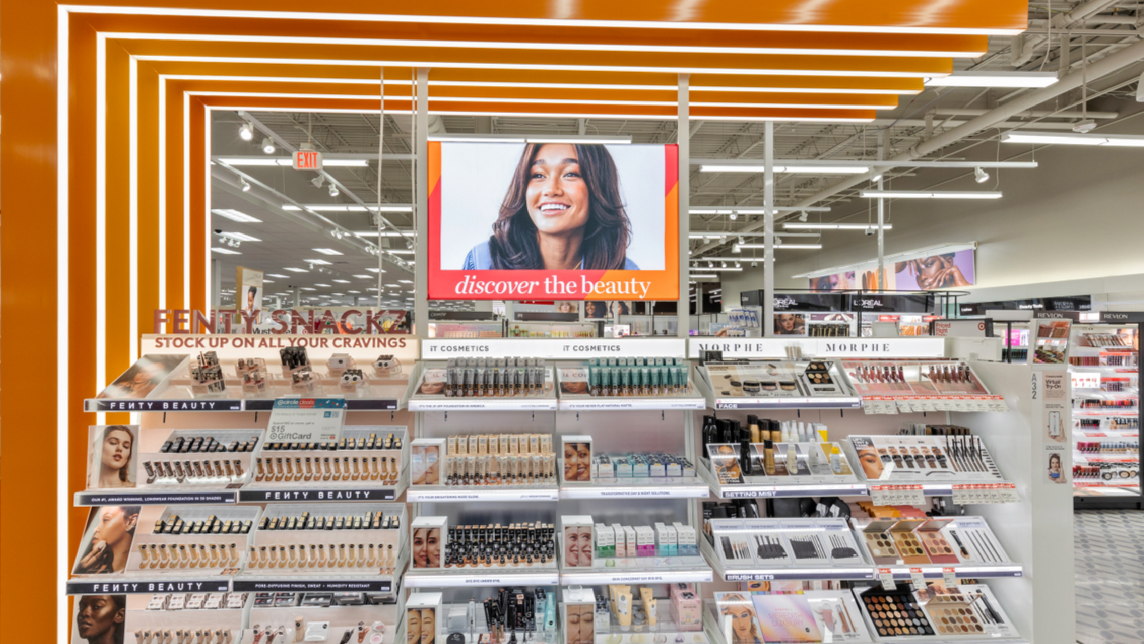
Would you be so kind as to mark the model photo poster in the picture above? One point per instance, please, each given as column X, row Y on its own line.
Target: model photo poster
column 248, row 290
column 555, row 221
column 921, row 271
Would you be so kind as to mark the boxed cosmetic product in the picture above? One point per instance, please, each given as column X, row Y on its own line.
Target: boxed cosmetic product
column 577, row 535
column 429, row 535
column 666, row 540
column 425, row 611
column 577, row 452
column 605, row 542
column 631, row 542
column 645, row 541
column 686, row 540
column 425, row 457
column 579, row 608
column 621, row 541
column 686, row 606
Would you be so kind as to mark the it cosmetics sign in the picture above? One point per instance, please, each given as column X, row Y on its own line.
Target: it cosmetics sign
column 553, row 221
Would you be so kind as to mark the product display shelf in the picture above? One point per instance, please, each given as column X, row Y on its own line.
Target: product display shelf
column 429, row 393
column 780, row 490
column 783, row 573
column 977, row 490
column 321, row 580
column 475, row 493
column 718, row 400
column 1104, row 369
column 486, row 576
column 664, row 631
column 639, row 573
column 663, row 487
column 717, row 624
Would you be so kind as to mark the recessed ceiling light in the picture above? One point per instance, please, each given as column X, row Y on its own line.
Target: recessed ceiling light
column 296, row 270
column 307, row 288
column 364, row 277
column 267, row 281
column 319, row 262
column 353, row 291
column 326, row 251
column 323, row 285
column 405, row 281
column 226, row 251
column 374, row 270
column 342, row 281
column 235, row 215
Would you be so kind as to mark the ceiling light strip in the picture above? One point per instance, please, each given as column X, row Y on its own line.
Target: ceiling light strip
column 928, row 194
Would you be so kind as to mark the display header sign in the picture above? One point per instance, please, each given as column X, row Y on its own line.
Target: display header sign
column 553, row 221
column 919, row 347
column 951, row 268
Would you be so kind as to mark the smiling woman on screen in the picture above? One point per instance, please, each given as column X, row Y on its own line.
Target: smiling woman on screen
column 563, row 211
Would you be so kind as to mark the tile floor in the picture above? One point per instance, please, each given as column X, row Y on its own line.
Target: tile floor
column 1109, row 576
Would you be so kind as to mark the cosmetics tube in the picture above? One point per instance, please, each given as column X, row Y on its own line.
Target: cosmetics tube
column 550, row 619
column 649, row 605
column 624, row 611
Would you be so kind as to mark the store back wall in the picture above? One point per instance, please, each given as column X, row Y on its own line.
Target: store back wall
column 1076, row 216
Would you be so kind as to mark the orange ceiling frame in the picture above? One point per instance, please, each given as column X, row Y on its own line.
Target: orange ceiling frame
column 117, row 174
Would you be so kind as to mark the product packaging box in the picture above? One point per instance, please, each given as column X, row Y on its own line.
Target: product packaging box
column 687, row 543
column 428, row 544
column 578, row 549
column 577, row 455
column 645, row 541
column 605, row 542
column 427, row 459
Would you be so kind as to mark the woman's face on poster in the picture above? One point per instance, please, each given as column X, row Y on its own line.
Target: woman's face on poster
column 557, row 195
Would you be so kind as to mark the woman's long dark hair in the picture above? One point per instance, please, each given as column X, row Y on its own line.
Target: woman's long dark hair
column 608, row 231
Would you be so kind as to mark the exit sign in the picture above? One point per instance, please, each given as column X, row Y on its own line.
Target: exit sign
column 307, row 160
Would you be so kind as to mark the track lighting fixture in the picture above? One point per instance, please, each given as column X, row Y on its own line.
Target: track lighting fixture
column 734, row 216
column 738, row 265
column 268, row 145
column 736, row 249
column 246, row 132
column 803, row 216
column 409, row 244
column 334, row 190
column 1084, row 127
column 980, row 176
column 318, row 181
column 245, row 186
column 710, row 265
column 754, row 264
column 723, row 264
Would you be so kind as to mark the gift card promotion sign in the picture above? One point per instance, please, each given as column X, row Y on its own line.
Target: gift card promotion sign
column 307, row 420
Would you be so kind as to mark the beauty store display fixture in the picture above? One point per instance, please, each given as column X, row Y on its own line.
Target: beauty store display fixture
column 298, row 540
column 785, row 616
column 353, row 617
column 935, row 613
column 776, row 384
column 196, row 617
column 899, row 386
column 1104, row 369
column 630, row 614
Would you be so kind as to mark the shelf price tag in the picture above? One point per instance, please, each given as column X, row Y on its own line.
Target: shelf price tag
column 887, row 579
column 949, row 578
column 915, row 495
column 877, row 496
column 917, row 578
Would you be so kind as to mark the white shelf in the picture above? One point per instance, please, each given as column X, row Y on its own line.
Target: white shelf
column 484, row 403
column 613, row 403
column 467, row 494
column 784, row 573
column 460, row 578
column 962, row 571
column 637, row 574
column 660, row 487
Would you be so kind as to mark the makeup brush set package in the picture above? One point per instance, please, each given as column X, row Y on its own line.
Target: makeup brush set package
column 751, row 543
column 789, row 616
column 895, row 459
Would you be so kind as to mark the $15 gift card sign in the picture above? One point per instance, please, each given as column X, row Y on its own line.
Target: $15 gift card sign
column 307, row 420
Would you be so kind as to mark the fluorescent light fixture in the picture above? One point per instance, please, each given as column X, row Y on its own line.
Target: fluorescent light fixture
column 348, row 208
column 323, row 285
column 753, row 210
column 835, row 226
column 401, row 251
column 225, row 251
column 789, row 169
column 994, row 79
column 235, row 215
column 1049, row 138
column 265, row 281
column 702, row 276
column 239, row 236
column 307, row 288
column 364, row 277
column 278, row 275
column 374, row 270
column 718, row 268
column 911, row 194
column 326, row 251
column 405, row 281
column 792, row 246
column 319, row 262
column 475, row 138
column 342, row 281
column 296, row 270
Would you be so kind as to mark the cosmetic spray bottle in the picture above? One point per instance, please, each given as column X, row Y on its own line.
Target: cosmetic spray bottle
column 550, row 619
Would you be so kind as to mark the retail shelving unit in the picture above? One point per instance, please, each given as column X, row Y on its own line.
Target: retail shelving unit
column 1104, row 367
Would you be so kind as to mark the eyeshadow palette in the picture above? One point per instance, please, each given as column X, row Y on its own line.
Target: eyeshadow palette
column 879, row 543
column 895, row 613
column 939, row 550
column 956, row 614
column 908, row 543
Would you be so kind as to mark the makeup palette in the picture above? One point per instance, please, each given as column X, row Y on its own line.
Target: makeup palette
column 908, row 543
column 955, row 614
column 879, row 542
column 939, row 550
column 895, row 613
